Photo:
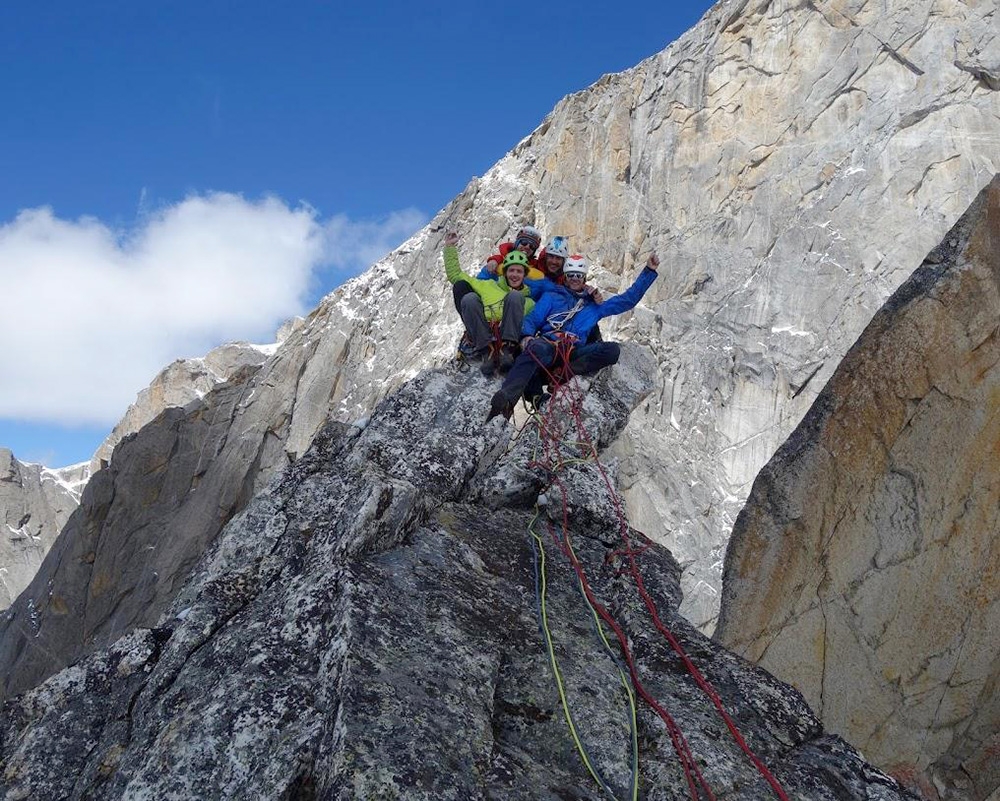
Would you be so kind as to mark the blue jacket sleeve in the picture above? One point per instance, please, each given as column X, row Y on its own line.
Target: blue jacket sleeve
column 534, row 319
column 627, row 299
column 539, row 286
column 486, row 275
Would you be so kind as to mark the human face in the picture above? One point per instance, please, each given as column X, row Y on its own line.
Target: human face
column 514, row 275
column 525, row 246
column 575, row 281
column 554, row 264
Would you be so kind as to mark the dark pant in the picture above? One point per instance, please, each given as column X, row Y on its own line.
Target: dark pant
column 458, row 291
column 478, row 328
column 528, row 373
column 513, row 316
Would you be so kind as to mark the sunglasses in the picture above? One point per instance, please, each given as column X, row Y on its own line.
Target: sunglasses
column 529, row 242
column 581, row 276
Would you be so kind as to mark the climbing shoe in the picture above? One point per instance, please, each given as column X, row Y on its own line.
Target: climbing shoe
column 508, row 352
column 500, row 405
column 465, row 349
column 489, row 367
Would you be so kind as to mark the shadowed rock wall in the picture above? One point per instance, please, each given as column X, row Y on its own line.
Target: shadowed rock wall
column 865, row 567
column 36, row 501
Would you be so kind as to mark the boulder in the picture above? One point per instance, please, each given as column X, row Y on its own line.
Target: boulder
column 865, row 567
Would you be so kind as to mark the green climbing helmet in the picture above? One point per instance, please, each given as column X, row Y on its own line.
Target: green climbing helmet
column 515, row 257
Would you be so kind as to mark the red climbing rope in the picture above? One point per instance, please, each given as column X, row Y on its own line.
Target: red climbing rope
column 552, row 461
column 681, row 747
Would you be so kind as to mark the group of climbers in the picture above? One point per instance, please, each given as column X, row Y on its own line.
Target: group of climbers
column 539, row 315
column 525, row 315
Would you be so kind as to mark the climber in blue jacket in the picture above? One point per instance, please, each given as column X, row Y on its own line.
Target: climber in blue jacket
column 567, row 314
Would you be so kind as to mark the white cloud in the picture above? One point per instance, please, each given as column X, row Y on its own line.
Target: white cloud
column 88, row 315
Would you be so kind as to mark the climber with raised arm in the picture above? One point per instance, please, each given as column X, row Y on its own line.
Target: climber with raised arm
column 527, row 241
column 501, row 304
column 558, row 327
column 551, row 260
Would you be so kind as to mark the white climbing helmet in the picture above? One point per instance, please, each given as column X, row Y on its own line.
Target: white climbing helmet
column 558, row 246
column 575, row 265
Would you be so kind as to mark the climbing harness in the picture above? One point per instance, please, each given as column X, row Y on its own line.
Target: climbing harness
column 557, row 321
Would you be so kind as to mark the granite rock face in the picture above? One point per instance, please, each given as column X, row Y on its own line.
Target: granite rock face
column 790, row 163
column 865, row 567
column 179, row 383
column 35, row 503
column 367, row 628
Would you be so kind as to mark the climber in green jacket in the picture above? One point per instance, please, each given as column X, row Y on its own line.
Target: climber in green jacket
column 504, row 301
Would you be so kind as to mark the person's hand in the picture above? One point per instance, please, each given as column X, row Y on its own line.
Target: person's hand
column 525, row 341
column 595, row 293
column 653, row 262
column 450, row 239
column 492, row 267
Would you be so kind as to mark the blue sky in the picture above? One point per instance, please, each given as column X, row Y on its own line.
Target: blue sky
column 138, row 137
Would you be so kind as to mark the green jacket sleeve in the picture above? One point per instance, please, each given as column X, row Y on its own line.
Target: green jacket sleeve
column 451, row 267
